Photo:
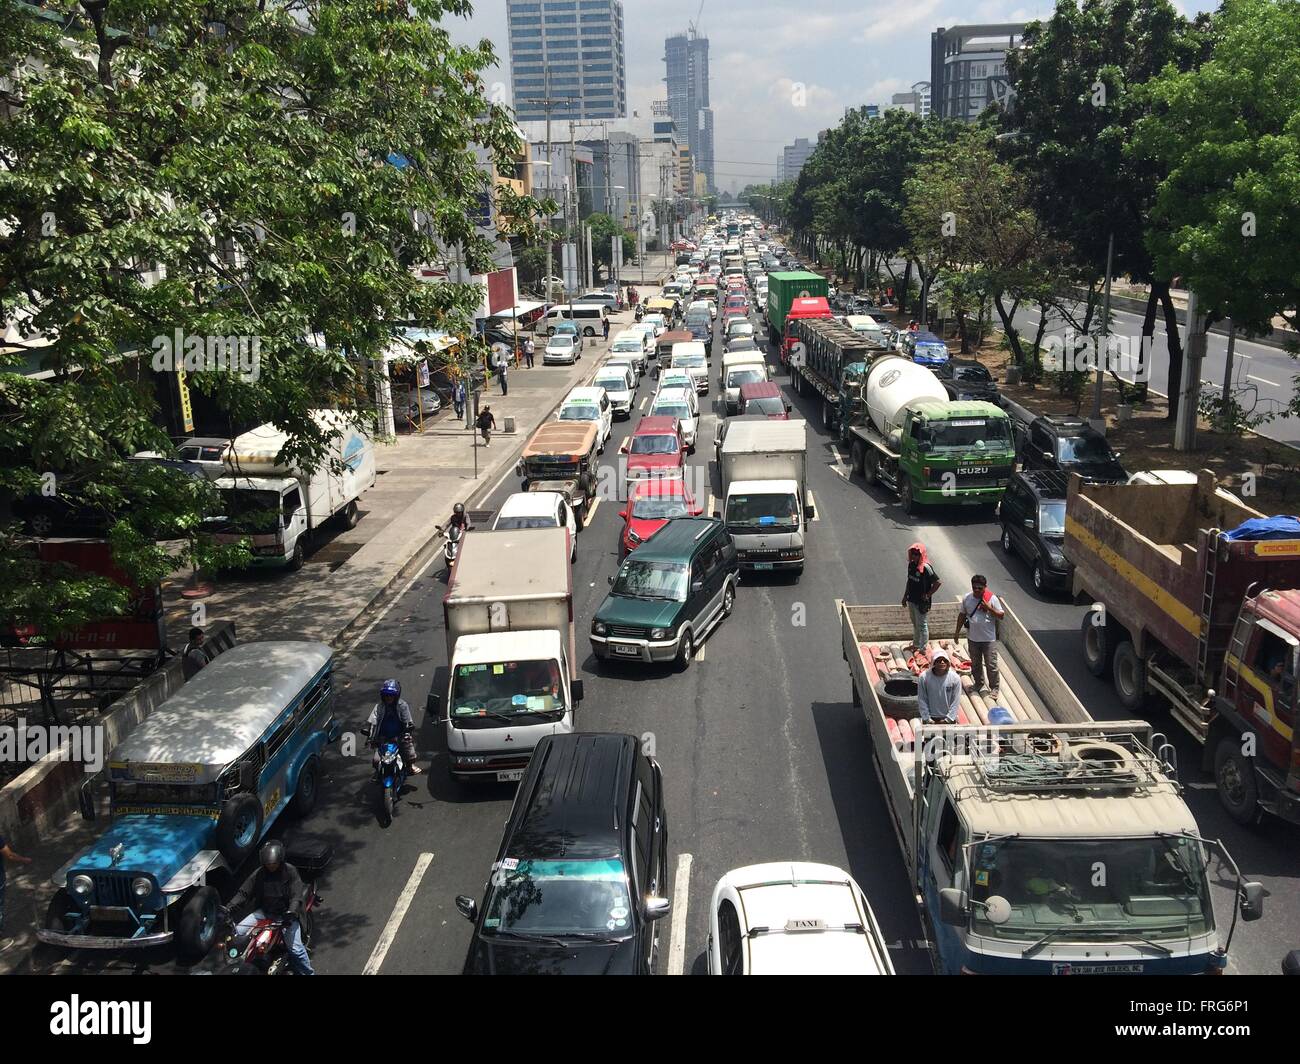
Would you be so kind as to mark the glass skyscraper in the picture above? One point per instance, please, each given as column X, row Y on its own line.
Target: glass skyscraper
column 570, row 51
column 686, row 57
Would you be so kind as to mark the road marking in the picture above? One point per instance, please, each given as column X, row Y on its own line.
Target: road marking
column 1262, row 380
column 812, row 501
column 404, row 900
column 591, row 511
column 712, row 506
column 644, row 403
column 681, row 895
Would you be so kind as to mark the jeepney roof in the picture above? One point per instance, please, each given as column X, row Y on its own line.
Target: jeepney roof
column 218, row 715
column 1144, row 810
column 562, row 437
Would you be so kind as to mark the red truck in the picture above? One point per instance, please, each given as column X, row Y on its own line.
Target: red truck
column 1206, row 623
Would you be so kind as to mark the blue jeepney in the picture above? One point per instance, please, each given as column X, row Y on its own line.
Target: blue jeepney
column 193, row 790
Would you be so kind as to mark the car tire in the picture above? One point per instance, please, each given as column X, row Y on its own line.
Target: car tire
column 1098, row 646
column 350, row 515
column 1234, row 779
column 1008, row 544
column 686, row 651
column 898, row 705
column 196, row 927
column 1129, row 675
column 1039, row 581
column 304, row 795
column 728, row 599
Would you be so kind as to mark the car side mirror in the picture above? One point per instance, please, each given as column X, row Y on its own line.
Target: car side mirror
column 952, row 906
column 696, row 511
column 1029, row 522
column 609, row 580
column 788, row 408
column 1291, row 963
column 623, row 514
column 697, row 586
column 656, row 908
column 467, row 907
column 1252, row 901
column 575, row 687
column 809, row 511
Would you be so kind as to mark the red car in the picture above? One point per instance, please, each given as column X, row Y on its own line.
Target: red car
column 764, row 397
column 655, row 449
column 651, row 504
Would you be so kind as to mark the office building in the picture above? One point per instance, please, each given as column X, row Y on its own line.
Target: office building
column 793, row 158
column 968, row 69
column 569, row 52
column 686, row 57
column 922, row 90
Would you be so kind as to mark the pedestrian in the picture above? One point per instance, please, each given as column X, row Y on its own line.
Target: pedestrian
column 458, row 398
column 530, row 349
column 938, row 691
column 501, row 372
column 604, row 328
column 922, row 583
column 6, row 854
column 193, row 657
column 980, row 612
column 486, row 423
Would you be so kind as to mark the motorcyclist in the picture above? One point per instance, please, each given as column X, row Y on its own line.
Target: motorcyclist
column 459, row 520
column 640, row 312
column 391, row 719
column 277, row 891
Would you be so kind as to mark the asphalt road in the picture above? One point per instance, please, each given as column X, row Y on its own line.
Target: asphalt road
column 763, row 754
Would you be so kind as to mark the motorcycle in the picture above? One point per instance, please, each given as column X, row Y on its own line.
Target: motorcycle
column 640, row 312
column 451, row 548
column 391, row 775
column 263, row 950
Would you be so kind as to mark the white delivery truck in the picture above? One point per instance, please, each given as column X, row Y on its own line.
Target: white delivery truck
column 766, row 505
column 277, row 504
column 511, row 663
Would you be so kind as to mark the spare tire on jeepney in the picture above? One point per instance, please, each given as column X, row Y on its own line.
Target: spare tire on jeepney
column 239, row 827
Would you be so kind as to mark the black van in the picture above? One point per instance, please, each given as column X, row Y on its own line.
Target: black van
column 580, row 881
column 1032, row 513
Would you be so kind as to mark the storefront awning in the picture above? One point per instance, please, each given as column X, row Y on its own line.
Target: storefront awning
column 518, row 310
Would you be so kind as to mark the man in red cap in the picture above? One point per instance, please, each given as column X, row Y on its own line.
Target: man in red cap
column 922, row 583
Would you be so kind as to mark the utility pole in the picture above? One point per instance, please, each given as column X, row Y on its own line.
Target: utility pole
column 548, row 104
column 1189, row 386
column 1104, row 354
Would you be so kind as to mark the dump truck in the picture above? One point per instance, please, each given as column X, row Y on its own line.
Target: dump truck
column 1190, row 614
column 783, row 290
column 1036, row 839
column 512, row 666
column 765, row 502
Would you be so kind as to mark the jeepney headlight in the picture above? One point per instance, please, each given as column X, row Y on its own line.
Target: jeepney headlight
column 82, row 886
column 598, row 629
column 658, row 633
column 142, row 887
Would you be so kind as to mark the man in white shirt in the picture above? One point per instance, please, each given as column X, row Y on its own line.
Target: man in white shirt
column 980, row 611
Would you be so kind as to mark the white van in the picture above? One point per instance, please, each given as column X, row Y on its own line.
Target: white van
column 693, row 356
column 589, row 404
column 589, row 317
column 740, row 367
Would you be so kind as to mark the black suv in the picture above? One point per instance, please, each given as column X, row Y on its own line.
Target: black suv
column 1032, row 512
column 963, row 378
column 1070, row 445
column 579, row 884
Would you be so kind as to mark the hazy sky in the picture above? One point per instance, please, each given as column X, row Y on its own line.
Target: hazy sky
column 762, row 51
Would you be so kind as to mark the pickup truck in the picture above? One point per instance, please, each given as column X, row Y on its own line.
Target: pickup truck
column 1052, row 843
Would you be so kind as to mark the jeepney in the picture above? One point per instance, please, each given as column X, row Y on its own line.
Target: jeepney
column 563, row 456
column 192, row 792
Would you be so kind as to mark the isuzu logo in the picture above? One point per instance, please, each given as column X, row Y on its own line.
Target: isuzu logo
column 972, row 469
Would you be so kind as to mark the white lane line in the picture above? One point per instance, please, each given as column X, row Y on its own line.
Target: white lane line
column 393, row 601
column 404, row 900
column 839, row 471
column 817, row 514
column 644, row 403
column 591, row 512
column 1262, row 380
column 681, row 895
column 712, row 506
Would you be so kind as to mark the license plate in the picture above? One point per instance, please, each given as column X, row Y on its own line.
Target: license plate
column 631, row 652
column 762, row 565
column 513, row 776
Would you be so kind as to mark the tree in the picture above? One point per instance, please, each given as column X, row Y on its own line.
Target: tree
column 285, row 167
column 603, row 230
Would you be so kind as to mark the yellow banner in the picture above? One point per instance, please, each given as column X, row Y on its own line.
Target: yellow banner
column 187, row 411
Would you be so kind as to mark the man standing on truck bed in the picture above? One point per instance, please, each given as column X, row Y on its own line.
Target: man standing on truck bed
column 981, row 610
column 922, row 583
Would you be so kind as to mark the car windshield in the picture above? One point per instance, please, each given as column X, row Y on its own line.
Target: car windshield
column 615, row 383
column 972, row 373
column 510, row 688
column 1051, row 518
column 163, row 793
column 657, row 581
column 548, row 898
column 1152, row 887
column 579, row 413
column 767, row 404
column 505, row 523
column 634, row 346
column 654, row 444
column 767, row 512
column 689, row 361
column 968, row 434
column 1083, row 449
column 678, row 410
column 740, row 328
column 561, row 342
column 745, row 375
column 659, row 507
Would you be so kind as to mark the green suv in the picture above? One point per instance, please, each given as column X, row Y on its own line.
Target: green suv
column 669, row 594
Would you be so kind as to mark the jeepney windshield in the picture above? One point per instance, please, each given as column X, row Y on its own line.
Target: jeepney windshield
column 1153, row 887
column 126, row 793
column 482, row 693
column 968, row 434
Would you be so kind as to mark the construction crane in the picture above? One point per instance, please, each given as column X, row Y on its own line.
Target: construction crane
column 693, row 25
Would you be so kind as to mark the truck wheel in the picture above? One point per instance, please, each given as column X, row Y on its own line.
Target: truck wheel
column 859, row 454
column 304, row 795
column 238, row 828
column 857, row 698
column 905, row 499
column 1129, row 673
column 1234, row 778
column 350, row 515
column 871, row 467
column 827, row 417
column 1098, row 646
column 196, row 930
column 299, row 556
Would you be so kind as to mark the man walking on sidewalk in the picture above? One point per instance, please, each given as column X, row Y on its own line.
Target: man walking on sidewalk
column 501, row 371
column 458, row 399
column 605, row 328
column 529, row 350
column 981, row 610
column 486, row 423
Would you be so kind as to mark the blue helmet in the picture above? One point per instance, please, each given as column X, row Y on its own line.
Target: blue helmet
column 390, row 689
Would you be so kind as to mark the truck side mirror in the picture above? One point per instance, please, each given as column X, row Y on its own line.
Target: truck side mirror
column 575, row 688
column 432, row 703
column 1252, row 901
column 952, row 906
column 86, row 799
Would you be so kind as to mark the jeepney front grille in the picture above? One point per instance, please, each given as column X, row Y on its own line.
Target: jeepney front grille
column 624, row 631
column 112, row 888
column 540, row 469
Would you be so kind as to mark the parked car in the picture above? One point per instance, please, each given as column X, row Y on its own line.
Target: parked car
column 655, row 449
column 538, row 509
column 561, row 349
column 669, row 594
column 651, row 504
column 610, row 299
column 1032, row 513
column 580, row 880
column 1069, row 445
column 964, row 378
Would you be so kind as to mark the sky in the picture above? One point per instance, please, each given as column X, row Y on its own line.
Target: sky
column 780, row 69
